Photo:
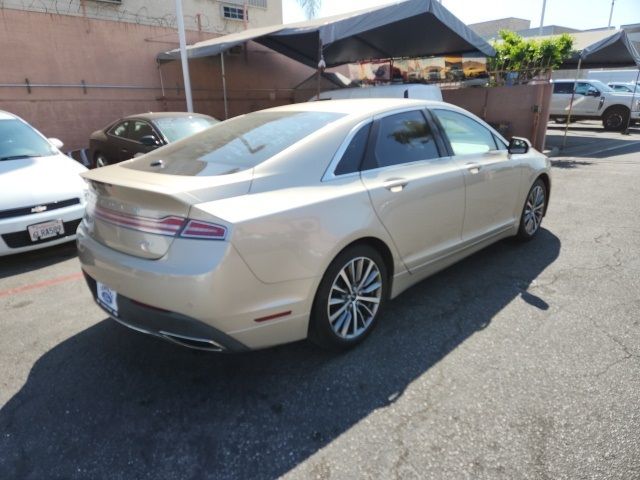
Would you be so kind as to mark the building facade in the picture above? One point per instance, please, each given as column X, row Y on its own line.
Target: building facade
column 213, row 16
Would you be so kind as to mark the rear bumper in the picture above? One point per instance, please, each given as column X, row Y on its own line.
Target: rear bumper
column 200, row 288
column 171, row 326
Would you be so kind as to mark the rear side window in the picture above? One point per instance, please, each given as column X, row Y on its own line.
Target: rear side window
column 352, row 157
column 120, row 130
column 564, row 87
column 235, row 145
column 465, row 135
column 404, row 138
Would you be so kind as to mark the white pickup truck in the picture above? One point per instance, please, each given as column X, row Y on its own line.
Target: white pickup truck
column 595, row 101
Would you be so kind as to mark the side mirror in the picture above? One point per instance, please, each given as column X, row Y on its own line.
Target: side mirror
column 56, row 142
column 519, row 146
column 149, row 141
column 593, row 92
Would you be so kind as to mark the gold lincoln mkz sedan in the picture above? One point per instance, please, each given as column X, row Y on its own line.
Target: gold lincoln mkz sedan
column 301, row 221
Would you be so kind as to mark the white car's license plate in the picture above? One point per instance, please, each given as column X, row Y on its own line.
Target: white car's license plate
column 43, row 230
column 107, row 298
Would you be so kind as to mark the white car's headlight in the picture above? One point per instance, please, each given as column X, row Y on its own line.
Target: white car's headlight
column 636, row 105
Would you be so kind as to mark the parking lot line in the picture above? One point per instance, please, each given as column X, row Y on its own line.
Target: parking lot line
column 43, row 284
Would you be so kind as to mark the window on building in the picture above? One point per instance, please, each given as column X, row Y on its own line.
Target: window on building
column 233, row 13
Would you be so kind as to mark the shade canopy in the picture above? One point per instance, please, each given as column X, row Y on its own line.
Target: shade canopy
column 616, row 50
column 412, row 28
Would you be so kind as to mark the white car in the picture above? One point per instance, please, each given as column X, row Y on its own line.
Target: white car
column 43, row 195
column 593, row 100
column 624, row 87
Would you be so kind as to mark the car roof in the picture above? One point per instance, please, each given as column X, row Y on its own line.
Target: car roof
column 358, row 106
column 7, row 116
column 157, row 115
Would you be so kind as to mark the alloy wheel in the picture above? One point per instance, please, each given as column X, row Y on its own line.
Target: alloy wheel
column 614, row 121
column 354, row 298
column 534, row 210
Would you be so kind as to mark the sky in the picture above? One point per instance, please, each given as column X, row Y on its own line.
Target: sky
column 578, row 14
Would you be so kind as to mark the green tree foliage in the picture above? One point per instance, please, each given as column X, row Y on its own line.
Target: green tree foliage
column 310, row 7
column 530, row 57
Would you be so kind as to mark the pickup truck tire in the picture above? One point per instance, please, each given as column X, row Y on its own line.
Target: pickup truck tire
column 615, row 118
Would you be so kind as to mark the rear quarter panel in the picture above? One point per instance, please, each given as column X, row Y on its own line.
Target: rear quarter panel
column 294, row 233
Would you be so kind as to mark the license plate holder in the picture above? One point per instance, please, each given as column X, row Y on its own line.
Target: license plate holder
column 107, row 298
column 44, row 230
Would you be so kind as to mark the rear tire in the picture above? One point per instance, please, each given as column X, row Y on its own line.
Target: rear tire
column 533, row 211
column 354, row 286
column 615, row 119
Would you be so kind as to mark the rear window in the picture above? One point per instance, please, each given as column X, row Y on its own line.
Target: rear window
column 177, row 128
column 235, row 145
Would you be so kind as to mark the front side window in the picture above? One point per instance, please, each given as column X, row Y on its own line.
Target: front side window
column 465, row 135
column 140, row 129
column 404, row 138
column 19, row 140
column 582, row 88
column 237, row 144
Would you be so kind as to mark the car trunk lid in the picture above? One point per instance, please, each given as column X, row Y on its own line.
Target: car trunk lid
column 141, row 213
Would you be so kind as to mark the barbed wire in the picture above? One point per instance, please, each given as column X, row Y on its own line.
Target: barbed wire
column 116, row 11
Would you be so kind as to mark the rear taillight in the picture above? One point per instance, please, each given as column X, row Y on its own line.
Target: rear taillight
column 171, row 226
column 198, row 229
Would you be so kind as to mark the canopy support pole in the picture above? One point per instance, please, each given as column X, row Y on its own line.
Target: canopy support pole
column 161, row 79
column 224, row 87
column 321, row 66
column 633, row 99
column 183, row 56
column 573, row 95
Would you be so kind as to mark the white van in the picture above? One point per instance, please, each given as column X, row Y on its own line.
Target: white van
column 402, row 90
column 606, row 76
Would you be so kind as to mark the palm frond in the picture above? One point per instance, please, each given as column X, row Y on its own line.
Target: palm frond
column 310, row 7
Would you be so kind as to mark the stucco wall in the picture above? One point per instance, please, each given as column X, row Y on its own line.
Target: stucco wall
column 205, row 15
column 522, row 109
column 60, row 49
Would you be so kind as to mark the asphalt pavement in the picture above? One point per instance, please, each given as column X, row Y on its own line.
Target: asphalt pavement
column 520, row 362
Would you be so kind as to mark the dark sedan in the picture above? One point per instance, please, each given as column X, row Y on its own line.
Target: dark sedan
column 139, row 134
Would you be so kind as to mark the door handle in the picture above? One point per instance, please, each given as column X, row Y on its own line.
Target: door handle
column 395, row 185
column 473, row 167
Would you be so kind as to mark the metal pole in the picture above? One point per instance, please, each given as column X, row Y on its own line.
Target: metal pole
column 633, row 99
column 611, row 13
column 183, row 55
column 544, row 6
column 224, row 87
column 161, row 79
column 321, row 66
column 573, row 94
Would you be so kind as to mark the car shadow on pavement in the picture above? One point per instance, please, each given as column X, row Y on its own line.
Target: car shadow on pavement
column 109, row 403
column 587, row 142
column 36, row 259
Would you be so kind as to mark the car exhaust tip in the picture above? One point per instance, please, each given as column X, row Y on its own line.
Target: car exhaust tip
column 192, row 342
